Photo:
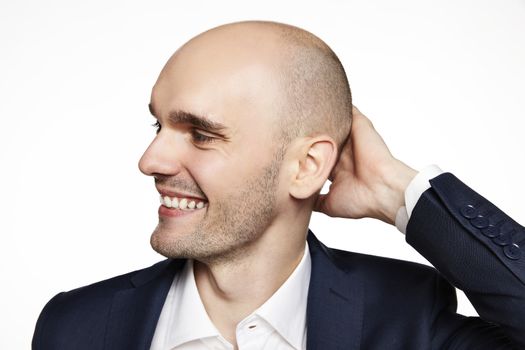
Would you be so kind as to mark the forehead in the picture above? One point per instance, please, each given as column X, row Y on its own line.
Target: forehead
column 227, row 83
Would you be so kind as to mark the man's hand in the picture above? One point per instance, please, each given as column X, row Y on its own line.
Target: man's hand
column 367, row 180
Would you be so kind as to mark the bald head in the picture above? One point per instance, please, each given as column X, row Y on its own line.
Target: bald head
column 311, row 96
column 317, row 97
column 249, row 117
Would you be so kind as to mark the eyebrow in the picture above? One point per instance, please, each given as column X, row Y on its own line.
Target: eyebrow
column 198, row 121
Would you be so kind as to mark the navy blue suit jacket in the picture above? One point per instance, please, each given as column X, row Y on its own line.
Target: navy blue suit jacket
column 355, row 301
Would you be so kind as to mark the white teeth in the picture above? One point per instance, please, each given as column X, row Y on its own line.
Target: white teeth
column 182, row 203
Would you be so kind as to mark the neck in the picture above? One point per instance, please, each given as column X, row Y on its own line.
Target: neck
column 232, row 290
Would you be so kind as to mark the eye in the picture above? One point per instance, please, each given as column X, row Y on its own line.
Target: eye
column 157, row 126
column 199, row 137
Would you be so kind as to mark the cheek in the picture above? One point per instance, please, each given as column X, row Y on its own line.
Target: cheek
column 216, row 174
column 220, row 171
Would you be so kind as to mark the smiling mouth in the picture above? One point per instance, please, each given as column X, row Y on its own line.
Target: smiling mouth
column 182, row 203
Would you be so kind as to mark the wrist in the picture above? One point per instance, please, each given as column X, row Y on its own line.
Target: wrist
column 395, row 181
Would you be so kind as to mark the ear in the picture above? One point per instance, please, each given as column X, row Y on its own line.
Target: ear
column 314, row 162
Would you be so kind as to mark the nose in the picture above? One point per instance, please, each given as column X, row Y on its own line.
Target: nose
column 160, row 158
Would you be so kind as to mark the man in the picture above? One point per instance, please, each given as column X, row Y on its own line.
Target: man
column 252, row 119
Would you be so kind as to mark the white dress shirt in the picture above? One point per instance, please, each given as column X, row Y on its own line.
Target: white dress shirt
column 278, row 324
column 419, row 184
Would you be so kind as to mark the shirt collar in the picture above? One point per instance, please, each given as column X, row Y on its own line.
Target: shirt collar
column 189, row 319
column 285, row 310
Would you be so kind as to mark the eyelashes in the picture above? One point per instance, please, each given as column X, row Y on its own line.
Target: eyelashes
column 197, row 137
column 200, row 137
column 156, row 125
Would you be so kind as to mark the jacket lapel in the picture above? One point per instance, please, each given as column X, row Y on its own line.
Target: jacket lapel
column 135, row 311
column 335, row 301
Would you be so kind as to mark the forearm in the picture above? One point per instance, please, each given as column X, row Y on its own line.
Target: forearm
column 468, row 258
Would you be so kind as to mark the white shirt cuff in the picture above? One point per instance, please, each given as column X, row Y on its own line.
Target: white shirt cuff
column 419, row 184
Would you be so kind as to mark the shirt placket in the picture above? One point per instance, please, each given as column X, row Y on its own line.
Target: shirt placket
column 252, row 333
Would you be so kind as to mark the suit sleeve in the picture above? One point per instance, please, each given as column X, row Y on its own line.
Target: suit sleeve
column 480, row 250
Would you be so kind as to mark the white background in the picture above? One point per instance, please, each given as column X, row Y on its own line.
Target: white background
column 443, row 82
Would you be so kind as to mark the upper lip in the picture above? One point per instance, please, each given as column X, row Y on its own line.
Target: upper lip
column 170, row 193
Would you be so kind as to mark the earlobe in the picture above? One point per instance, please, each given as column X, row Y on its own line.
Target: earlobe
column 315, row 163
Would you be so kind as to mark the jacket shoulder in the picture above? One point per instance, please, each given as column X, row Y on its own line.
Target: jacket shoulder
column 348, row 259
column 397, row 277
column 106, row 288
column 86, row 305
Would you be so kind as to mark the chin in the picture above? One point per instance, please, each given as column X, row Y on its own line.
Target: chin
column 175, row 246
column 166, row 244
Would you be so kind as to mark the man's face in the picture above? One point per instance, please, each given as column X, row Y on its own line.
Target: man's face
column 232, row 168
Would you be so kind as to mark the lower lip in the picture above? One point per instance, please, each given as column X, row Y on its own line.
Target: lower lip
column 165, row 211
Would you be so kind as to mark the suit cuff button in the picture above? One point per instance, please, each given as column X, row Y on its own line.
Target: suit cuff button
column 504, row 239
column 469, row 211
column 491, row 231
column 512, row 251
column 479, row 222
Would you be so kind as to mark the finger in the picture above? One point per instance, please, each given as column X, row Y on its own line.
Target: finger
column 355, row 110
column 360, row 117
column 346, row 157
column 357, row 114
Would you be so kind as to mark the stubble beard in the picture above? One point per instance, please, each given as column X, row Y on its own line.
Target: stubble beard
column 229, row 226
